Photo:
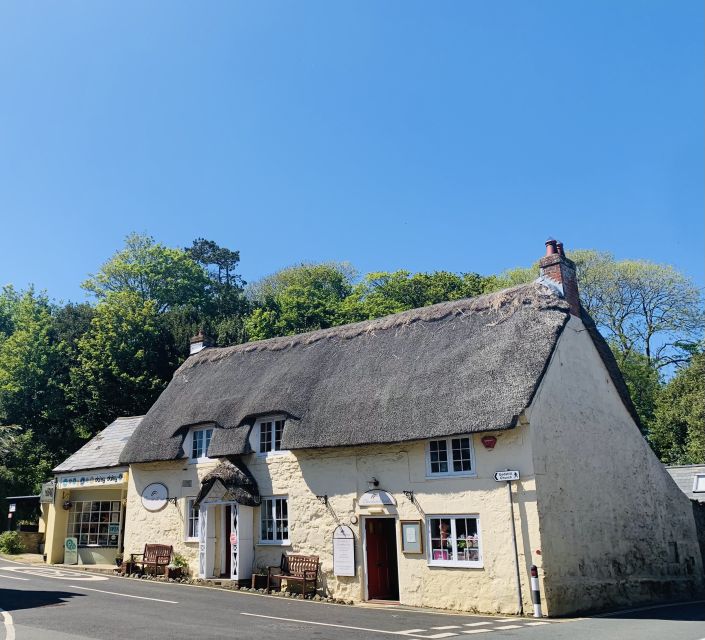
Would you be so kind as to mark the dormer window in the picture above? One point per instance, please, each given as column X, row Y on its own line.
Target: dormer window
column 200, row 439
column 268, row 435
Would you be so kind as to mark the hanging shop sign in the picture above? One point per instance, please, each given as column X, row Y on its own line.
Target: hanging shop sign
column 48, row 492
column 79, row 481
column 343, row 551
column 155, row 496
column 376, row 498
column 71, row 551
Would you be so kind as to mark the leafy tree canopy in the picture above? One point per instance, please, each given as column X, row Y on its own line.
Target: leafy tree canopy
column 168, row 277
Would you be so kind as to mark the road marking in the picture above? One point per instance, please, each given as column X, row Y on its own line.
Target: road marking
column 478, row 630
column 9, row 625
column 57, row 574
column 345, row 626
column 2, row 575
column 448, row 626
column 533, row 624
column 475, row 624
column 124, row 595
column 509, row 626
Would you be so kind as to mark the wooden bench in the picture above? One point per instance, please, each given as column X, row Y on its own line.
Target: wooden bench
column 155, row 555
column 303, row 569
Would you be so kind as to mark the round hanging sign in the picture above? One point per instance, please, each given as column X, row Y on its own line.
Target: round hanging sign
column 154, row 496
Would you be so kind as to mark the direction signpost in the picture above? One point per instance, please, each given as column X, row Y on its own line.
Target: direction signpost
column 510, row 476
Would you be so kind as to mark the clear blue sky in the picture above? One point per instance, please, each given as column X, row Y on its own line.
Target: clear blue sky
column 391, row 134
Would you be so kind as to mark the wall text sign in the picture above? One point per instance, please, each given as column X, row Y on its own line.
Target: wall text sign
column 503, row 476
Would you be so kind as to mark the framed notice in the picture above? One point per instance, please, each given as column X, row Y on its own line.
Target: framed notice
column 411, row 536
column 343, row 551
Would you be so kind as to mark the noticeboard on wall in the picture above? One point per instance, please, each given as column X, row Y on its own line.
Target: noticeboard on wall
column 343, row 551
column 411, row 536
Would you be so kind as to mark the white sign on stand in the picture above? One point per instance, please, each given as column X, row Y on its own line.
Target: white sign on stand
column 343, row 551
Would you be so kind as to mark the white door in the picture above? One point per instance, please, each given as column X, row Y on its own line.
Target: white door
column 245, row 542
column 202, row 540
column 206, row 541
column 234, row 541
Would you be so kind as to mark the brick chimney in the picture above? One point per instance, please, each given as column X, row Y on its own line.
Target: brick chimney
column 199, row 342
column 561, row 271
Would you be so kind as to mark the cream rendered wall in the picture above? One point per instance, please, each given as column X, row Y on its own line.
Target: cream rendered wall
column 609, row 512
column 343, row 475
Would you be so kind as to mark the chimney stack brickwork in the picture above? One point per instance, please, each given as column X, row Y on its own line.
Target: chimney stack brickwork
column 557, row 267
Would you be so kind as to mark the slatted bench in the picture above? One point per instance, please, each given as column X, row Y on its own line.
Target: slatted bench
column 303, row 569
column 155, row 555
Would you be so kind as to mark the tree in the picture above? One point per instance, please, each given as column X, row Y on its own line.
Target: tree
column 298, row 299
column 168, row 277
column 678, row 432
column 642, row 307
column 643, row 382
column 125, row 360
column 32, row 374
column 383, row 293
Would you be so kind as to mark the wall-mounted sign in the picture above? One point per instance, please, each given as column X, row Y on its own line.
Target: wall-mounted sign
column 79, row 481
column 503, row 476
column 48, row 492
column 411, row 536
column 154, row 496
column 70, row 551
column 113, row 528
column 375, row 498
column 343, row 551
column 13, row 507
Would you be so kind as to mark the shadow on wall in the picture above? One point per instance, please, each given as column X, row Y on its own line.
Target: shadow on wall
column 14, row 599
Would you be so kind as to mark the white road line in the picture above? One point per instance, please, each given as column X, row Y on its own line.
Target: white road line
column 448, row 626
column 478, row 631
column 533, row 624
column 124, row 595
column 475, row 624
column 9, row 625
column 4, row 575
column 345, row 626
column 509, row 626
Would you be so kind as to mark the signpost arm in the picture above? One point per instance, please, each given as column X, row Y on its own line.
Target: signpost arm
column 516, row 551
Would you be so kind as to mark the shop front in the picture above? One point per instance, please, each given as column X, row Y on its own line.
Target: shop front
column 87, row 514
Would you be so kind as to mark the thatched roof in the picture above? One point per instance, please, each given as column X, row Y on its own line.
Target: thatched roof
column 236, row 480
column 456, row 367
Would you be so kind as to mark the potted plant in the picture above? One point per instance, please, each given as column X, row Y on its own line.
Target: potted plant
column 177, row 566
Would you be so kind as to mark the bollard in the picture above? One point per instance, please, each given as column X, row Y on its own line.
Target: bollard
column 535, row 591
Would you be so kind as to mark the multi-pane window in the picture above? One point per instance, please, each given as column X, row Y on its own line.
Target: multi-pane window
column 274, row 521
column 200, row 439
column 454, row 541
column 450, row 456
column 191, row 519
column 270, row 436
column 95, row 523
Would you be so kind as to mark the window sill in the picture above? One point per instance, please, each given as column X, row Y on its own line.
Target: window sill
column 188, row 540
column 457, row 565
column 266, row 543
column 445, row 476
column 271, row 454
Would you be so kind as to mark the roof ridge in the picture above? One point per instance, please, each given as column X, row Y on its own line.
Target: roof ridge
column 494, row 301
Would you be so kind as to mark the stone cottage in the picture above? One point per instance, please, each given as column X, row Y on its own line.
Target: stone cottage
column 389, row 433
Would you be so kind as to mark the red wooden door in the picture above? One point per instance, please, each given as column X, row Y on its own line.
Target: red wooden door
column 382, row 575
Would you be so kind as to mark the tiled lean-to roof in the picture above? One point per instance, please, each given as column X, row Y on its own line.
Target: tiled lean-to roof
column 103, row 450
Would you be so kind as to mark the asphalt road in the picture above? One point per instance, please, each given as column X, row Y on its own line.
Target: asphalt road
column 47, row 603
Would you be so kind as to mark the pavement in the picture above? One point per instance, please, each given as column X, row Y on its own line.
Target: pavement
column 56, row 603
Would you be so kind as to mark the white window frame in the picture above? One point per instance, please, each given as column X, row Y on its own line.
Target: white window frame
column 78, row 526
column 449, row 448
column 699, row 483
column 276, row 543
column 255, row 441
column 189, row 444
column 454, row 562
column 188, row 508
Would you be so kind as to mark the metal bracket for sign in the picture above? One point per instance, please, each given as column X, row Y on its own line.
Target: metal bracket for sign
column 510, row 476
